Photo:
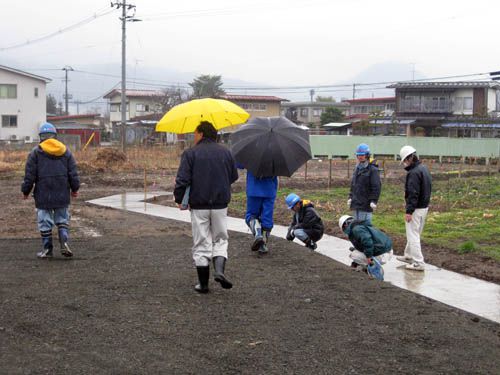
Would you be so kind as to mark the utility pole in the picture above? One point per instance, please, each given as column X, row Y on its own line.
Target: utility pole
column 353, row 91
column 124, row 18
column 312, row 92
column 66, row 97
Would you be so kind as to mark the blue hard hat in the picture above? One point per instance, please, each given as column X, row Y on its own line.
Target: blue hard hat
column 291, row 200
column 363, row 149
column 47, row 128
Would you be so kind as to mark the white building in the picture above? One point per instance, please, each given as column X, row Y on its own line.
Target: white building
column 139, row 103
column 22, row 104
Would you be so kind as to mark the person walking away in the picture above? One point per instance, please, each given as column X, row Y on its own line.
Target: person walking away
column 306, row 224
column 261, row 195
column 369, row 242
column 208, row 170
column 51, row 170
column 365, row 185
column 418, row 188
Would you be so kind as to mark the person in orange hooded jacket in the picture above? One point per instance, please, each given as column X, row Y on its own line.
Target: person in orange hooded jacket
column 51, row 170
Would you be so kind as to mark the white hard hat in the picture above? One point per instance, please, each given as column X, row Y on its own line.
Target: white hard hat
column 405, row 152
column 343, row 219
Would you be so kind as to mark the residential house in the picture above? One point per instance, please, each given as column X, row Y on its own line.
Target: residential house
column 139, row 103
column 372, row 116
column 309, row 113
column 257, row 105
column 22, row 104
column 455, row 109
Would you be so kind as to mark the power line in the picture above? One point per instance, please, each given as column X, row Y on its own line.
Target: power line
column 58, row 32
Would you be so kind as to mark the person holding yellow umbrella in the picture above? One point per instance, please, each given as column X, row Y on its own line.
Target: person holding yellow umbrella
column 206, row 171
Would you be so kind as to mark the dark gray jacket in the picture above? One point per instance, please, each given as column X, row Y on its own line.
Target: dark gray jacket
column 209, row 169
column 418, row 187
column 365, row 187
column 53, row 177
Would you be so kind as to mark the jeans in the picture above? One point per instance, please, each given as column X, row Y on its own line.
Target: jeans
column 362, row 216
column 261, row 209
column 48, row 218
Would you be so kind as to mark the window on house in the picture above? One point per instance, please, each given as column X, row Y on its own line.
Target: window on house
column 468, row 104
column 259, row 106
column 247, row 106
column 9, row 121
column 114, row 107
column 391, row 107
column 142, row 107
column 317, row 112
column 36, row 92
column 8, row 91
column 304, row 112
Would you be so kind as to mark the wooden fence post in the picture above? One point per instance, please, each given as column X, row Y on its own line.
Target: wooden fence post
column 348, row 170
column 330, row 174
column 305, row 171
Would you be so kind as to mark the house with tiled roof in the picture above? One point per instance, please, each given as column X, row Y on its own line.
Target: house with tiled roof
column 455, row 109
column 23, row 104
column 139, row 103
column 257, row 105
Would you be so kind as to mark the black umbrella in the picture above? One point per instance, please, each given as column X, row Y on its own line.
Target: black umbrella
column 271, row 146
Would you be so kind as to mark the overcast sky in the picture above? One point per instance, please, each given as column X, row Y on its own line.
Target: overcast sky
column 276, row 42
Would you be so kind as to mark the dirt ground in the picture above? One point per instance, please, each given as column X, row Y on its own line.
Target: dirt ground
column 125, row 305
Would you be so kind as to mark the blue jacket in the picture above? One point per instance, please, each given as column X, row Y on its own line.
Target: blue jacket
column 368, row 239
column 51, row 168
column 209, row 169
column 264, row 187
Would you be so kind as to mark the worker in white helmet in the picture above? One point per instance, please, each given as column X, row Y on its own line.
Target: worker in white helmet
column 418, row 187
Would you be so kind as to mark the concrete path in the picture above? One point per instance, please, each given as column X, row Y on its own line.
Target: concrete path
column 464, row 292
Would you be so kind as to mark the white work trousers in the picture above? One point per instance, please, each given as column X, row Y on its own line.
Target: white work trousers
column 414, row 229
column 210, row 238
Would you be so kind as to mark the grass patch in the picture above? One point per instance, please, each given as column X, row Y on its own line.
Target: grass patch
column 464, row 214
column 467, row 247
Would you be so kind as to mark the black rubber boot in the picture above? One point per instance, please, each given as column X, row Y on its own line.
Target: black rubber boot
column 310, row 244
column 203, row 276
column 264, row 250
column 219, row 266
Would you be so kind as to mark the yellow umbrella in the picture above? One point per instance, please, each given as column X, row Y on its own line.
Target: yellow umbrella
column 185, row 117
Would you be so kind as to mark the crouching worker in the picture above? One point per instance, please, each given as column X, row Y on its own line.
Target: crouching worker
column 306, row 224
column 369, row 242
column 51, row 169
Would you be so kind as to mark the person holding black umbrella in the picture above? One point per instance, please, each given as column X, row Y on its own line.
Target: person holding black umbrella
column 207, row 170
column 261, row 195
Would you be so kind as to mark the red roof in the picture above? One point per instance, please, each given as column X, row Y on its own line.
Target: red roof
column 72, row 117
column 259, row 98
column 371, row 100
column 360, row 116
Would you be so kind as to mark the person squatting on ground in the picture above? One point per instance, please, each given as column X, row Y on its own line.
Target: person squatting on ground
column 365, row 185
column 418, row 187
column 261, row 195
column 51, row 169
column 369, row 242
column 209, row 170
column 306, row 224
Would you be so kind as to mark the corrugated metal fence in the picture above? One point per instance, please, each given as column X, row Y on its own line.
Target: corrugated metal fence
column 333, row 146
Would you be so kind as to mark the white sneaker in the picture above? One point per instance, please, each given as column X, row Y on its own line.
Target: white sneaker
column 415, row 267
column 404, row 259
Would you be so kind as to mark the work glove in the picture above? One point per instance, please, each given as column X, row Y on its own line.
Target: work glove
column 373, row 205
column 349, row 202
column 289, row 235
